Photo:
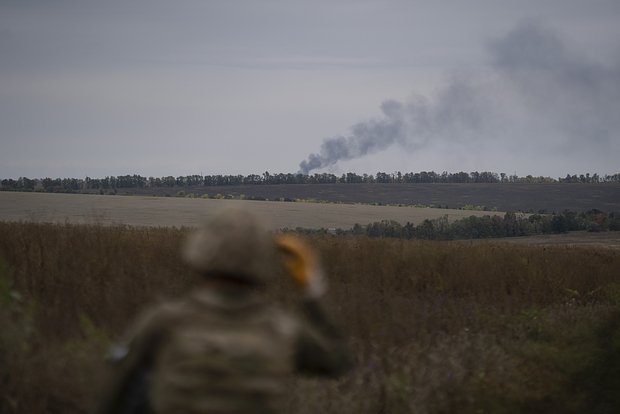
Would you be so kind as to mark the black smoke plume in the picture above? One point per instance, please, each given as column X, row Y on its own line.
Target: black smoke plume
column 534, row 88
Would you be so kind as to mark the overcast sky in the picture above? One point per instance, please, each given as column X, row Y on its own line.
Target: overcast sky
column 95, row 88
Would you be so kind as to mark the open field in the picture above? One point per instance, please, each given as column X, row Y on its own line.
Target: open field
column 434, row 327
column 176, row 211
column 505, row 197
column 610, row 239
column 523, row 324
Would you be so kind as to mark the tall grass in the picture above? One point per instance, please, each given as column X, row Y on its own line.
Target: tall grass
column 435, row 326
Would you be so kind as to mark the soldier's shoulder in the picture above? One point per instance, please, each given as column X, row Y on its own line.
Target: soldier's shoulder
column 159, row 316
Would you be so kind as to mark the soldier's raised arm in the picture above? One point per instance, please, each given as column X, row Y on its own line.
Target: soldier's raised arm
column 321, row 348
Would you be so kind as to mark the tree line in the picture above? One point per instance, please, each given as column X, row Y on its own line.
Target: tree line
column 485, row 227
column 427, row 177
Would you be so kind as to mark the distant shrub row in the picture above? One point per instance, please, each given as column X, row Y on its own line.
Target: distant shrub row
column 138, row 181
column 511, row 225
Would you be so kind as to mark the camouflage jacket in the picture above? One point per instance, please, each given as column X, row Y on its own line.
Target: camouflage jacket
column 218, row 352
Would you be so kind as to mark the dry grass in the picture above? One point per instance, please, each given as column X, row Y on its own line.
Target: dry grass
column 594, row 240
column 436, row 327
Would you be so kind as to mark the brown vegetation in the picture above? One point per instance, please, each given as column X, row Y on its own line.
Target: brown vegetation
column 435, row 326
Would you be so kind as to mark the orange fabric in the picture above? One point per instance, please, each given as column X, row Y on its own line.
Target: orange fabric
column 299, row 259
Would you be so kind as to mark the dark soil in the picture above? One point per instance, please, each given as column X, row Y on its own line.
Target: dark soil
column 503, row 197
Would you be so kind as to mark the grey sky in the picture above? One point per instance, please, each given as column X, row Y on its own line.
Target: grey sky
column 156, row 87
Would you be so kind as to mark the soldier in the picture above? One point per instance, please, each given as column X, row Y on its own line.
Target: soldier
column 225, row 348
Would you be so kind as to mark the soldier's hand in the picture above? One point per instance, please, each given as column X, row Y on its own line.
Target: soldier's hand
column 302, row 264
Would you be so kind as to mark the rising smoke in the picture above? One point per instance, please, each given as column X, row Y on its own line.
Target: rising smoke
column 534, row 85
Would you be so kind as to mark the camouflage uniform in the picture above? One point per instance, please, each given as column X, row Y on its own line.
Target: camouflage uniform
column 223, row 349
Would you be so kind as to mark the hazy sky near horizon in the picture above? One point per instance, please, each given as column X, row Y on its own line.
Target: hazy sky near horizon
column 95, row 88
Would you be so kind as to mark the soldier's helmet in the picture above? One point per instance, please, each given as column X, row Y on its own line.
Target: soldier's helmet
column 232, row 243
